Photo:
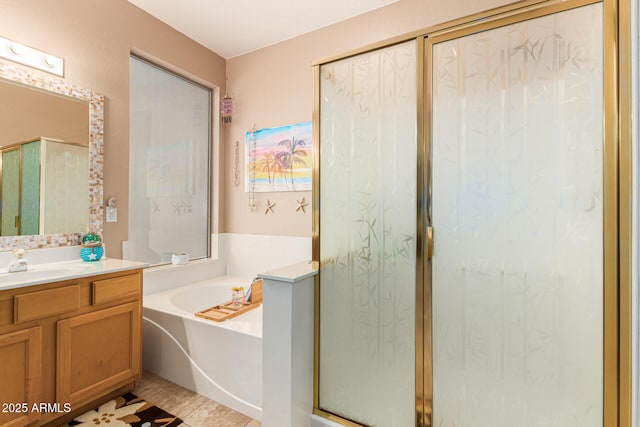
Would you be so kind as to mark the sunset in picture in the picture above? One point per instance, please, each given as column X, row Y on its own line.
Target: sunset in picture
column 279, row 159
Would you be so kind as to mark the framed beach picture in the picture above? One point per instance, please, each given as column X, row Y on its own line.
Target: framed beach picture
column 279, row 159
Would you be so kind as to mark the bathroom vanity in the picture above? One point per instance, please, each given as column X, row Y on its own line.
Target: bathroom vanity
column 70, row 338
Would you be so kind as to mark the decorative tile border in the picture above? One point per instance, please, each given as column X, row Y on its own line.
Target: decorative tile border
column 11, row 72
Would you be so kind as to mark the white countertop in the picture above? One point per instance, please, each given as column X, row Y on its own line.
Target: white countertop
column 37, row 274
column 292, row 273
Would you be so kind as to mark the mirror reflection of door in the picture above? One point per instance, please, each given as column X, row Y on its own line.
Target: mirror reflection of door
column 30, row 188
column 44, row 188
column 10, row 192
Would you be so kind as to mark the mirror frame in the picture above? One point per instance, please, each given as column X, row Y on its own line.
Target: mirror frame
column 29, row 78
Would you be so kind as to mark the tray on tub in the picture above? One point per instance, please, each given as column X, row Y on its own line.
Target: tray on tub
column 225, row 311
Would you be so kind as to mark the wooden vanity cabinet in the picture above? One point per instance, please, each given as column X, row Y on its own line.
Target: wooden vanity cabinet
column 67, row 345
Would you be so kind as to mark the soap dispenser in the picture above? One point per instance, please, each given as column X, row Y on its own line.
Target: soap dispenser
column 19, row 261
column 92, row 249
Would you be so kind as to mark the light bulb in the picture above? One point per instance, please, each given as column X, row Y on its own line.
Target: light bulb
column 50, row 61
column 16, row 49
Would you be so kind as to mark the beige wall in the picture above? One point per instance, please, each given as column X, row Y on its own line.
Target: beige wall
column 95, row 37
column 32, row 114
column 274, row 86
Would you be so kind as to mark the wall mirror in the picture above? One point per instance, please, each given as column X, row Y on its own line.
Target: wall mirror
column 51, row 154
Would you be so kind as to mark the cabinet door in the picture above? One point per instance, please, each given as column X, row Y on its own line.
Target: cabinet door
column 20, row 376
column 98, row 351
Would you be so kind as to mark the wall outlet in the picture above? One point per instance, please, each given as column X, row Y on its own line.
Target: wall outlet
column 111, row 214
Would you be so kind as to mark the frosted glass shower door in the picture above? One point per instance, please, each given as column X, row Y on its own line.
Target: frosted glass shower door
column 10, row 192
column 368, row 158
column 517, row 212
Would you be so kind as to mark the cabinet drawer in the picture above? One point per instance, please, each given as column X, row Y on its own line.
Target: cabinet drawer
column 115, row 288
column 41, row 304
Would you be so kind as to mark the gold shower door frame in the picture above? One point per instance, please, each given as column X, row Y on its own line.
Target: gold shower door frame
column 617, row 188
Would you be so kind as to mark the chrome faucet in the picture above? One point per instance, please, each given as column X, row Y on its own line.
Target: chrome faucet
column 19, row 261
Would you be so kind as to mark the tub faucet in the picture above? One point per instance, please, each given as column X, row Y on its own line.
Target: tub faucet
column 19, row 261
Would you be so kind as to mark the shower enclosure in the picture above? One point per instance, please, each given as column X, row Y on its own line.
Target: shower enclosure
column 466, row 225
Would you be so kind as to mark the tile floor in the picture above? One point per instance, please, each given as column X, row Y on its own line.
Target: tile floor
column 195, row 410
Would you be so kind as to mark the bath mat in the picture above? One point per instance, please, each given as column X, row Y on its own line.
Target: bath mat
column 124, row 411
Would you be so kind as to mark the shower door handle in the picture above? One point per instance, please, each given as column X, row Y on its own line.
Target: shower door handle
column 429, row 242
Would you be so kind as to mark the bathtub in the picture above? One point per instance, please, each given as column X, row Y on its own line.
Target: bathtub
column 220, row 360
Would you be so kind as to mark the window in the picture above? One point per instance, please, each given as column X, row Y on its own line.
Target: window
column 169, row 165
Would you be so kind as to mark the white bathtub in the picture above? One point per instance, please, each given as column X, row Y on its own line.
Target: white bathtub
column 220, row 360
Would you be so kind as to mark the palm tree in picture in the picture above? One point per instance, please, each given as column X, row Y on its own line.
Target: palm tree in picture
column 267, row 164
column 281, row 164
column 295, row 155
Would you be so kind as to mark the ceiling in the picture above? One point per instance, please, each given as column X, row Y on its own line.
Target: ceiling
column 235, row 27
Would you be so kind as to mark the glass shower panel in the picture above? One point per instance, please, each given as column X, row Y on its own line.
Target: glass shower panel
column 517, row 187
column 65, row 170
column 30, row 188
column 10, row 192
column 368, row 237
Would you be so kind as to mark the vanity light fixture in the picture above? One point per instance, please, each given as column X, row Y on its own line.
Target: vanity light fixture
column 34, row 58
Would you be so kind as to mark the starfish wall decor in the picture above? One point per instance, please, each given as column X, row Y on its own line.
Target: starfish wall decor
column 268, row 206
column 302, row 204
